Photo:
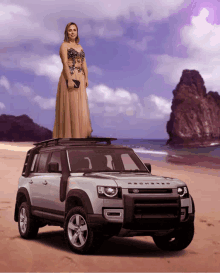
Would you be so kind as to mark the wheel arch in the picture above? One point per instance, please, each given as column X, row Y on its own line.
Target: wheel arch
column 193, row 205
column 22, row 196
column 78, row 197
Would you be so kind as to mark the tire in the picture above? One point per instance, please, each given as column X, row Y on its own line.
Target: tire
column 78, row 234
column 176, row 241
column 28, row 228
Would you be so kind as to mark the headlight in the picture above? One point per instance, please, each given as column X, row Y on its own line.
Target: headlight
column 183, row 192
column 107, row 191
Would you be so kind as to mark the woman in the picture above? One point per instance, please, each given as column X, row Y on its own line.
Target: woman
column 72, row 113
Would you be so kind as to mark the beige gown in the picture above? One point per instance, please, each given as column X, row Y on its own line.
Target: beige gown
column 72, row 118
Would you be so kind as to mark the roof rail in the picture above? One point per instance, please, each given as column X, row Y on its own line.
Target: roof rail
column 90, row 140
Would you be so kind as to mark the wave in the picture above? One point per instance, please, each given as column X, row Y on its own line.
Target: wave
column 144, row 151
column 214, row 144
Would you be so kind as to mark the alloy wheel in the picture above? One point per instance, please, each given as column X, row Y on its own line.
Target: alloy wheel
column 77, row 230
column 23, row 220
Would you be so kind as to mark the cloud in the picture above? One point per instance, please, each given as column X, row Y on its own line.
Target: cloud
column 201, row 39
column 95, row 69
column 107, row 29
column 119, row 104
column 22, row 90
column 140, row 45
column 19, row 24
column 201, row 36
column 161, row 106
column 30, row 21
column 19, row 89
column 5, row 83
column 16, row 88
column 49, row 66
column 45, row 103
column 2, row 106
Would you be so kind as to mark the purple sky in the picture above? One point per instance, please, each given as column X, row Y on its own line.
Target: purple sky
column 135, row 52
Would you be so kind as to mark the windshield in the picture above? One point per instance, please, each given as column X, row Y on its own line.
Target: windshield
column 104, row 160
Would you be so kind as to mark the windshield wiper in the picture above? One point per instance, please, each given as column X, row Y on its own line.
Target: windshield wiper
column 135, row 171
column 97, row 171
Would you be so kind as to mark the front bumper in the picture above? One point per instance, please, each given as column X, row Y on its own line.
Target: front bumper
column 145, row 214
column 99, row 224
column 151, row 212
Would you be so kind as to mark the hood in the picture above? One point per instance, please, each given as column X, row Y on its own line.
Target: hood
column 139, row 180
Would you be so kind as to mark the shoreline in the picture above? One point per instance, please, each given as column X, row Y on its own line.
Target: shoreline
column 191, row 161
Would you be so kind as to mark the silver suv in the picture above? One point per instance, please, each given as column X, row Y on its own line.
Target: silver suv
column 95, row 190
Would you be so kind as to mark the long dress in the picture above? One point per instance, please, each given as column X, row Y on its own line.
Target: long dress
column 72, row 112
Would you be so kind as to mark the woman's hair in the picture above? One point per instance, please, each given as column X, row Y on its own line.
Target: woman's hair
column 66, row 39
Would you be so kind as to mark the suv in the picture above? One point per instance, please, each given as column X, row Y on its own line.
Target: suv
column 95, row 190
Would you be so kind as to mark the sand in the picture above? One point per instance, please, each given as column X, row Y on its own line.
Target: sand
column 49, row 253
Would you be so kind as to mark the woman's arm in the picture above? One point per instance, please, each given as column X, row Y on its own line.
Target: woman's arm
column 84, row 65
column 64, row 59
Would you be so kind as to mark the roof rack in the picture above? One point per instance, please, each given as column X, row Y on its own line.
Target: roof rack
column 74, row 141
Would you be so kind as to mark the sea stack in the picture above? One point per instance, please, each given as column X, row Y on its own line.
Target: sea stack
column 195, row 116
column 22, row 128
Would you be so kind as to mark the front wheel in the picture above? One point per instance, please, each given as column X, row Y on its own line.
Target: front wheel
column 28, row 228
column 78, row 234
column 176, row 241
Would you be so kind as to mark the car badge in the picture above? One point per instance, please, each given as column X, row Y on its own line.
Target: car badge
column 135, row 191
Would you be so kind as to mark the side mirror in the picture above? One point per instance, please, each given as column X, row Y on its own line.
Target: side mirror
column 148, row 165
column 53, row 167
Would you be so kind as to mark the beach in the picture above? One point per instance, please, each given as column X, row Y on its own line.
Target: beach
column 49, row 253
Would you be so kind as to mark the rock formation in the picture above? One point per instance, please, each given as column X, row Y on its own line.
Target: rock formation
column 22, row 128
column 195, row 116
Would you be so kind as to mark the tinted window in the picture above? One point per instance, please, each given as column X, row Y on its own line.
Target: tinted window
column 104, row 160
column 56, row 157
column 128, row 162
column 42, row 163
column 34, row 163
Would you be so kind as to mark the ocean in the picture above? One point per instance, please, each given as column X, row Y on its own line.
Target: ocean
column 156, row 149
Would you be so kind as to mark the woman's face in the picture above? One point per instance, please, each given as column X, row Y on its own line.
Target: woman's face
column 72, row 32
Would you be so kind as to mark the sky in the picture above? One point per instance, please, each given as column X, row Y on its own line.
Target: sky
column 135, row 53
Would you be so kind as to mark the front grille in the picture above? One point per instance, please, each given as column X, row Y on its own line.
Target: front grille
column 149, row 190
column 156, row 207
column 151, row 212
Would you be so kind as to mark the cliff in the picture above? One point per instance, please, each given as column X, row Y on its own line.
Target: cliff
column 22, row 128
column 195, row 116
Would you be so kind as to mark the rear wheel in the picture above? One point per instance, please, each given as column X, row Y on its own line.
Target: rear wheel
column 178, row 240
column 28, row 227
column 78, row 234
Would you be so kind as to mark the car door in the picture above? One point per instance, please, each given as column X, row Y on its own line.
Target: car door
column 53, row 203
column 38, row 183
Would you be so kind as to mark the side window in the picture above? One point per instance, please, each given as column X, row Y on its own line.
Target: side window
column 56, row 157
column 90, row 164
column 41, row 168
column 128, row 162
column 34, row 163
column 109, row 162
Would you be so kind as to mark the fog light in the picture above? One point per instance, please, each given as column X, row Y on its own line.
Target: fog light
column 183, row 214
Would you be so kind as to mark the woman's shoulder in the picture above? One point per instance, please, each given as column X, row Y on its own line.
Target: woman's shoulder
column 64, row 44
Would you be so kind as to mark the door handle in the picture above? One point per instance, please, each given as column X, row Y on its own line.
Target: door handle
column 31, row 182
column 45, row 182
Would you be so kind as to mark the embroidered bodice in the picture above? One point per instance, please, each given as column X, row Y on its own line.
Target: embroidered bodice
column 77, row 58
